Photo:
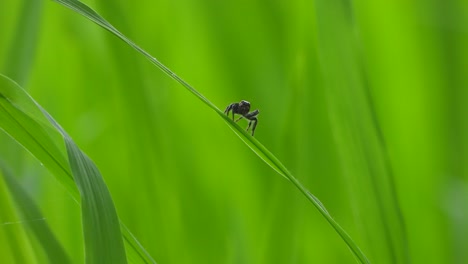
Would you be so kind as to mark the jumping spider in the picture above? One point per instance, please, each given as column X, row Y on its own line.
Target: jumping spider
column 243, row 109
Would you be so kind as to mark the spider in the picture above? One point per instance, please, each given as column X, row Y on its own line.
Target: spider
column 243, row 109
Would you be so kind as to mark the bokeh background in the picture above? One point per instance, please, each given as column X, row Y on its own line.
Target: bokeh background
column 366, row 103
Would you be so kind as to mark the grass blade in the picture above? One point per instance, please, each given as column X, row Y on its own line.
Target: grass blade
column 103, row 240
column 41, row 230
column 15, row 244
column 31, row 126
column 20, row 58
column 250, row 141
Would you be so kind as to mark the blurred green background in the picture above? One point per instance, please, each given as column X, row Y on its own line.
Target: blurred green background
column 366, row 102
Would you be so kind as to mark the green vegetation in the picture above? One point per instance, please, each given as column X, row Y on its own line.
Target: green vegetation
column 364, row 102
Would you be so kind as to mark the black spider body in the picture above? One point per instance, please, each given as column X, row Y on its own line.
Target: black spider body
column 242, row 108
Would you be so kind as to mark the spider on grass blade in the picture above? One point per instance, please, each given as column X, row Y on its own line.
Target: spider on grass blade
column 243, row 109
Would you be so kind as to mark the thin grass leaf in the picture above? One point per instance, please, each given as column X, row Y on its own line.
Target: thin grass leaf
column 14, row 242
column 29, row 210
column 20, row 57
column 103, row 241
column 32, row 127
column 19, row 61
column 250, row 141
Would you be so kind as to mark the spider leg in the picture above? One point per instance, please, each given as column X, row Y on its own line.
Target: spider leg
column 254, row 124
column 232, row 107
column 228, row 108
column 252, row 117
column 239, row 118
column 252, row 114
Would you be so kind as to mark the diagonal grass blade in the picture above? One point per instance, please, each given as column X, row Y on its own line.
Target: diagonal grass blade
column 250, row 141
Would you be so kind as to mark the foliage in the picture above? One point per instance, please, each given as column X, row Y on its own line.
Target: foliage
column 363, row 101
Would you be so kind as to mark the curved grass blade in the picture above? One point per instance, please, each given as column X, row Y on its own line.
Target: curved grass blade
column 31, row 126
column 16, row 246
column 100, row 221
column 29, row 210
column 103, row 240
column 19, row 60
column 250, row 141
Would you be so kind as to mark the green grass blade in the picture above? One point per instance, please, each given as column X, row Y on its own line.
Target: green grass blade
column 20, row 56
column 273, row 162
column 92, row 15
column 19, row 60
column 250, row 141
column 30, row 211
column 103, row 239
column 25, row 121
column 15, row 244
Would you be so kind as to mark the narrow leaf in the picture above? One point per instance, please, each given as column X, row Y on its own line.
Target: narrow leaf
column 14, row 242
column 29, row 210
column 32, row 127
column 250, row 141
